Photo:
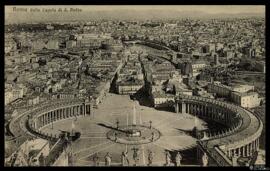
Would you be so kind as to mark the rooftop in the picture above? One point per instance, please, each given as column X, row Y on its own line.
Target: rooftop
column 251, row 93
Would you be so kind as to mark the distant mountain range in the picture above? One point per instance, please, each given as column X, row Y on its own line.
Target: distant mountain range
column 120, row 15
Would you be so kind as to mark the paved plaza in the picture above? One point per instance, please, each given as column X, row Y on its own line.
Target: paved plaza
column 171, row 128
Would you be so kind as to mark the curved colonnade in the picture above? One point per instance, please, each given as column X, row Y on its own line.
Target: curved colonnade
column 45, row 114
column 241, row 136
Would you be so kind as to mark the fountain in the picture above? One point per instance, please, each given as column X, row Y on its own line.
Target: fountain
column 133, row 133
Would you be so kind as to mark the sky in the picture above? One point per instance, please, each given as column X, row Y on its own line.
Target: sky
column 123, row 11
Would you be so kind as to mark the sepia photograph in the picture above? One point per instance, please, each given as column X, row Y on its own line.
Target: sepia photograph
column 134, row 85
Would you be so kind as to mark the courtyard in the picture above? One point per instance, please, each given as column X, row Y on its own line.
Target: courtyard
column 170, row 133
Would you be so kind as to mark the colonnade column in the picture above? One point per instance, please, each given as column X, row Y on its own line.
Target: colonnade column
column 46, row 119
column 240, row 152
column 191, row 109
column 79, row 110
column 83, row 109
column 195, row 110
column 61, row 114
column 183, row 107
column 38, row 122
column 41, row 120
column 253, row 147
column 258, row 141
column 54, row 114
column 50, row 117
column 65, row 113
column 257, row 144
column 176, row 107
column 244, row 151
column 72, row 111
column 89, row 108
column 249, row 149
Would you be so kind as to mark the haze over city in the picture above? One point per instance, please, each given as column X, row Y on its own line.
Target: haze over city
column 123, row 12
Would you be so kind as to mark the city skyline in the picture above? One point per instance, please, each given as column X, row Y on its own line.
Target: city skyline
column 124, row 12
